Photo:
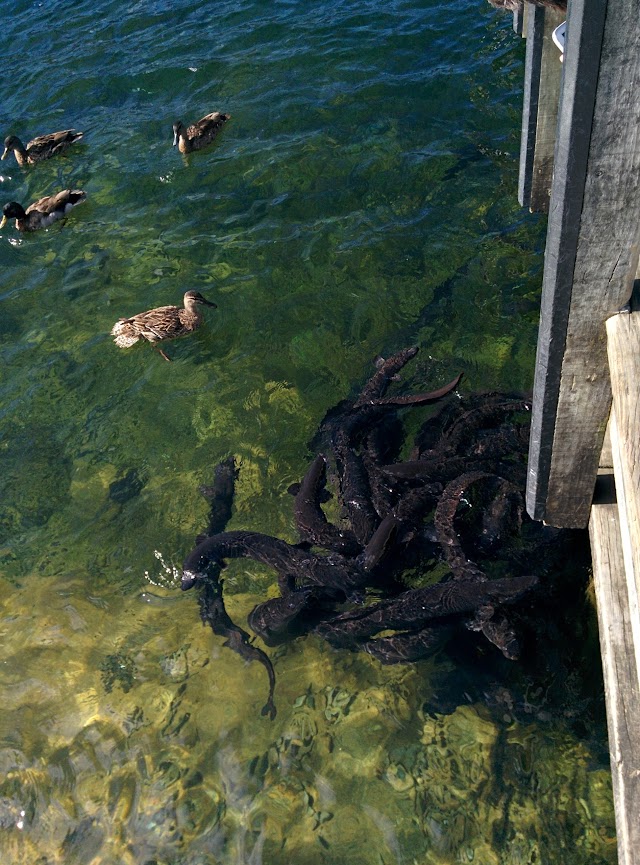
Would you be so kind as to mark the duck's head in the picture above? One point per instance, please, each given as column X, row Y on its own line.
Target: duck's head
column 11, row 142
column 177, row 129
column 192, row 297
column 12, row 210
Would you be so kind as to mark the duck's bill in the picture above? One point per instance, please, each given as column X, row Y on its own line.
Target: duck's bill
column 209, row 303
column 175, row 140
column 3, row 222
column 5, row 154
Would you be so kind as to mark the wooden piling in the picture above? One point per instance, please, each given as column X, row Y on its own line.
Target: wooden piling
column 518, row 15
column 543, row 73
column 590, row 258
column 623, row 347
column 547, row 117
column 532, row 66
column 618, row 665
column 589, row 352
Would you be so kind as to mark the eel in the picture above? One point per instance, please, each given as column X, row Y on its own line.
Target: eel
column 416, row 608
column 403, row 648
column 460, row 433
column 214, row 614
column 461, row 566
column 295, row 566
column 387, row 370
column 355, row 492
column 220, row 497
column 415, row 398
column 310, row 518
column 210, row 599
column 271, row 620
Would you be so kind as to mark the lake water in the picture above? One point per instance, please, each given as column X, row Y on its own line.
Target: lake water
column 361, row 199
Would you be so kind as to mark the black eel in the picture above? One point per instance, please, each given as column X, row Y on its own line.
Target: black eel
column 272, row 620
column 402, row 648
column 210, row 599
column 416, row 608
column 310, row 518
column 294, row 565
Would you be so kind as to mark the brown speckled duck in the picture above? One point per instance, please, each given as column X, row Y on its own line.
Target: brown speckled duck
column 199, row 134
column 164, row 322
column 42, row 147
column 43, row 212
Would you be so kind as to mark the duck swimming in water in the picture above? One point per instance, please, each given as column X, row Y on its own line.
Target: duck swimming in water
column 43, row 212
column 41, row 147
column 199, row 134
column 164, row 322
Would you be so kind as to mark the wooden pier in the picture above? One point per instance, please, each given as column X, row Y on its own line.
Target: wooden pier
column 580, row 163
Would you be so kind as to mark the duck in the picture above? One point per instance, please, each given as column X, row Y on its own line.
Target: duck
column 163, row 322
column 43, row 212
column 41, row 147
column 199, row 134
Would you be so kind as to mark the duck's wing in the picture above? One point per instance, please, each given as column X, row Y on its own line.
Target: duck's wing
column 208, row 125
column 59, row 203
column 160, row 323
column 47, row 145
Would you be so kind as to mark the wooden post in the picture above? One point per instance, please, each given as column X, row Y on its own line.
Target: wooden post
column 518, row 15
column 547, row 115
column 543, row 73
column 618, row 666
column 591, row 255
column 533, row 60
column 623, row 333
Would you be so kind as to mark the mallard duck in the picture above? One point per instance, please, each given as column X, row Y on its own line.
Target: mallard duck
column 164, row 322
column 42, row 147
column 44, row 211
column 199, row 134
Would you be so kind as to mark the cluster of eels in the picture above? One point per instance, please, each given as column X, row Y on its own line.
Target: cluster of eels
column 456, row 500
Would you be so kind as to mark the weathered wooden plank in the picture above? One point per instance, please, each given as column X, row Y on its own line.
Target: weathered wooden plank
column 518, row 15
column 591, row 254
column 623, row 333
column 547, row 117
column 533, row 61
column 618, row 668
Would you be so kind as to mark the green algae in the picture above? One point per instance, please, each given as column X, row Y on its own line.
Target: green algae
column 119, row 669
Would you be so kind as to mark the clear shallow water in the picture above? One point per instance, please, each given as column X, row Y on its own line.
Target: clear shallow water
column 361, row 199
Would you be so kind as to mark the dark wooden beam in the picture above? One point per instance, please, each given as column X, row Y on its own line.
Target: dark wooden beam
column 547, row 116
column 591, row 254
column 532, row 67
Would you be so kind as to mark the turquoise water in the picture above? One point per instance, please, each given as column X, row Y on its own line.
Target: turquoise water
column 361, row 199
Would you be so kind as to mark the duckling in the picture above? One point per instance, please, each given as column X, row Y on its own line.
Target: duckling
column 42, row 212
column 199, row 134
column 42, row 147
column 164, row 322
